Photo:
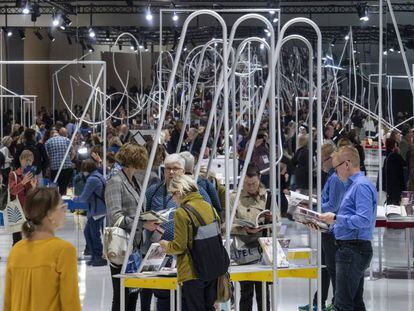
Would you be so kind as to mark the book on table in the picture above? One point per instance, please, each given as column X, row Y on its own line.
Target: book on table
column 266, row 244
column 260, row 221
column 392, row 211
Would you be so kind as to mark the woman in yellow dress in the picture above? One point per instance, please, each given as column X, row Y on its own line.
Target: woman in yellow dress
column 41, row 270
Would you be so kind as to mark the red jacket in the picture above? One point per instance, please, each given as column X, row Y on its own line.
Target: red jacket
column 16, row 187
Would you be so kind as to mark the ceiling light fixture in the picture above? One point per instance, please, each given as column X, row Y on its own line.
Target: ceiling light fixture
column 26, row 9
column 38, row 34
column 175, row 17
column 362, row 10
column 148, row 15
column 51, row 38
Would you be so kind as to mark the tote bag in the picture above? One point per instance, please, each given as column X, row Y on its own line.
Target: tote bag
column 13, row 214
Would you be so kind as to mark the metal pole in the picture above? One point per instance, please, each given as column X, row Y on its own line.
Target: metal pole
column 79, row 123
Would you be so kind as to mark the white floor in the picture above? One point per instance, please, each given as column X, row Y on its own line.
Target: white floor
column 380, row 295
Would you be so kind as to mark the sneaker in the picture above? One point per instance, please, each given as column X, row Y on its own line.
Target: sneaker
column 99, row 262
column 86, row 252
column 307, row 308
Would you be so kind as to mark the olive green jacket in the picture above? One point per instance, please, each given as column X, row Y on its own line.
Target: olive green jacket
column 183, row 234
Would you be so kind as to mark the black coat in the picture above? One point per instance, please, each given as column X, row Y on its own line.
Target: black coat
column 393, row 177
column 300, row 162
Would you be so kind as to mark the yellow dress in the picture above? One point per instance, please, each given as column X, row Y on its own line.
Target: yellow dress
column 42, row 275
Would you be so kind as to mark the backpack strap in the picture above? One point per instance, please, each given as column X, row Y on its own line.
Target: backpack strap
column 191, row 210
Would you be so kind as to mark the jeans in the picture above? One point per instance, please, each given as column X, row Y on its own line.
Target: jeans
column 65, row 177
column 352, row 259
column 199, row 295
column 130, row 298
column 246, row 295
column 92, row 234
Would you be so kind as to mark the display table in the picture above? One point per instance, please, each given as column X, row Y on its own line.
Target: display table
column 72, row 205
column 255, row 272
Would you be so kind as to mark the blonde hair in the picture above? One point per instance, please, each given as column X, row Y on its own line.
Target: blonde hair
column 348, row 153
column 344, row 142
column 327, row 150
column 26, row 154
column 115, row 141
column 184, row 184
column 133, row 155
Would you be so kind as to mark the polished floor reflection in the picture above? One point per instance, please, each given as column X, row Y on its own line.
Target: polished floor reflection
column 380, row 295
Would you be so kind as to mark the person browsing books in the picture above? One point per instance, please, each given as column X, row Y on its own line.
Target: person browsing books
column 332, row 193
column 198, row 294
column 252, row 202
column 353, row 228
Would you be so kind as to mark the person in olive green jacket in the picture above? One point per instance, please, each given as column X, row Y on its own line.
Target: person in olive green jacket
column 197, row 294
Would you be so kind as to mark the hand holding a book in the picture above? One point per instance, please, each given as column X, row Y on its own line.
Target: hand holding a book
column 163, row 244
column 328, row 218
column 151, row 225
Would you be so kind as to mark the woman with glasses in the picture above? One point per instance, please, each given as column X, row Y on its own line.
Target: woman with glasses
column 42, row 269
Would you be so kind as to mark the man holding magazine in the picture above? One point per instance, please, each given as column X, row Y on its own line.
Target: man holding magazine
column 246, row 231
column 353, row 228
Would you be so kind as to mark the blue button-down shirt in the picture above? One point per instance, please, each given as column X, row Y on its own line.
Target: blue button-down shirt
column 357, row 213
column 56, row 148
column 332, row 193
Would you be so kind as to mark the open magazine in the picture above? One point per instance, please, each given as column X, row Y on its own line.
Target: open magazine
column 282, row 250
column 307, row 216
column 159, row 217
column 154, row 260
column 259, row 222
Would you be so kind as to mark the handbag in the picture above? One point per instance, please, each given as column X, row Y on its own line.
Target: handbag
column 115, row 241
column 224, row 288
column 245, row 250
column 13, row 214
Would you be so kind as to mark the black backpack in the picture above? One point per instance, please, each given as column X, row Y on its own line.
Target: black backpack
column 210, row 258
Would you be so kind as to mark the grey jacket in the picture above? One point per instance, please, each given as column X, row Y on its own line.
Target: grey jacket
column 122, row 201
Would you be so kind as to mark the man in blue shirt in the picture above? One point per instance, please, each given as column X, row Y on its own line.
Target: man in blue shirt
column 353, row 228
column 332, row 193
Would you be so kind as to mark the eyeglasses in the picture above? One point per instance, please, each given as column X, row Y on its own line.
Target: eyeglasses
column 173, row 169
column 336, row 167
column 328, row 158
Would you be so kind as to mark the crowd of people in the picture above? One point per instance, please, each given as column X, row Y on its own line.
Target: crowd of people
column 31, row 156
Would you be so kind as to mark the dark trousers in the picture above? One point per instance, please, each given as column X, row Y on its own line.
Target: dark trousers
column 64, row 179
column 352, row 259
column 246, row 296
column 92, row 234
column 146, row 297
column 130, row 298
column 163, row 299
column 199, row 295
column 329, row 248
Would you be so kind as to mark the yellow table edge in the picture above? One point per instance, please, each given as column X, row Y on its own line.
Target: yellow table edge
column 170, row 283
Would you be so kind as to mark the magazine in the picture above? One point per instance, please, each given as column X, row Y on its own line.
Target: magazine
column 154, row 260
column 259, row 222
column 307, row 216
column 267, row 246
column 159, row 217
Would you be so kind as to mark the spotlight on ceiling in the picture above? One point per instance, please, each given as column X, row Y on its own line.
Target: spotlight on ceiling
column 26, row 9
column 38, row 34
column 8, row 31
column 175, row 17
column 333, row 42
column 66, row 20
column 56, row 20
column 272, row 12
column 21, row 34
column 69, row 40
column 107, row 35
column 91, row 33
column 82, row 45
column 362, row 10
column 347, row 37
column 275, row 20
column 51, row 38
column 90, row 48
column 148, row 14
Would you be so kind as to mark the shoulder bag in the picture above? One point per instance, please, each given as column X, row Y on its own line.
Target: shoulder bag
column 13, row 214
